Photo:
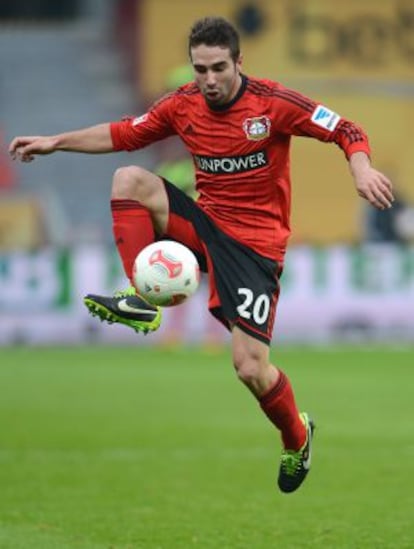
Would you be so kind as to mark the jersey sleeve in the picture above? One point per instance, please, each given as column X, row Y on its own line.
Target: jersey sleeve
column 299, row 115
column 135, row 133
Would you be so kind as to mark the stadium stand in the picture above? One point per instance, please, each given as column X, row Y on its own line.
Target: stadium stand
column 58, row 77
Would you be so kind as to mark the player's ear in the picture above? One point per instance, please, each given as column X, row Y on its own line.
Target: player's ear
column 239, row 62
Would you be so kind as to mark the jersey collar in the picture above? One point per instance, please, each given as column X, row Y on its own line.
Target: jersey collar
column 240, row 92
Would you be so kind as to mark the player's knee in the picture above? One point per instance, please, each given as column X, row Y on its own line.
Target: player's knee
column 248, row 367
column 130, row 182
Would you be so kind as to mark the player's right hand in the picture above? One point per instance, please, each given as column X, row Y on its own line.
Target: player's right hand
column 26, row 148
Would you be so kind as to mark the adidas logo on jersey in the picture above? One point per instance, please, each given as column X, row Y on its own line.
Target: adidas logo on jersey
column 189, row 130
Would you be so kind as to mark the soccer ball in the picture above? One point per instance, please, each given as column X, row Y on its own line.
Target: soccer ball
column 166, row 273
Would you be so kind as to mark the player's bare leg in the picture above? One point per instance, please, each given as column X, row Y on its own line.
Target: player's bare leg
column 272, row 389
column 140, row 185
column 139, row 206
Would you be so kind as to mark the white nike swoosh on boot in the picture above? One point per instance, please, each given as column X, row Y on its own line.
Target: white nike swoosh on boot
column 307, row 463
column 123, row 306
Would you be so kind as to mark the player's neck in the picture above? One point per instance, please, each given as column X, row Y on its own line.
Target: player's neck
column 239, row 88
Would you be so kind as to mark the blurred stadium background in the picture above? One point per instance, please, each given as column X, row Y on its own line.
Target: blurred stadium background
column 75, row 63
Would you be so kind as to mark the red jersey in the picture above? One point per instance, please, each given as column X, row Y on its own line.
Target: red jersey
column 241, row 152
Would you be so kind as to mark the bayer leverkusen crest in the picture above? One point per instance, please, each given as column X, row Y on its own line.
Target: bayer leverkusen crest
column 257, row 128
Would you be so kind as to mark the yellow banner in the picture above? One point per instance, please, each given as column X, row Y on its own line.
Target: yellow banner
column 357, row 39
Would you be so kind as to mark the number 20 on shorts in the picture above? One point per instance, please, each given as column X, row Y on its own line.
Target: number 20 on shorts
column 258, row 307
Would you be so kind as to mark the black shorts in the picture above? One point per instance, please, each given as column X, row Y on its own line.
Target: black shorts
column 244, row 286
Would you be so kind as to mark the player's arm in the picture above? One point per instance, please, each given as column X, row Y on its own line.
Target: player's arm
column 93, row 140
column 135, row 133
column 300, row 115
column 370, row 184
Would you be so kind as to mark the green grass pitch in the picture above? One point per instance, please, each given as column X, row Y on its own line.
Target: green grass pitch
column 116, row 448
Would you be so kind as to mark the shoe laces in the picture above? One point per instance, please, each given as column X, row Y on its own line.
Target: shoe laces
column 291, row 461
column 125, row 293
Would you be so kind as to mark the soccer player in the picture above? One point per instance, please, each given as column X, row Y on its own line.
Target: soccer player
column 238, row 131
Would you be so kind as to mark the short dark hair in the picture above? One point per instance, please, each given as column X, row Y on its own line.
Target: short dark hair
column 215, row 31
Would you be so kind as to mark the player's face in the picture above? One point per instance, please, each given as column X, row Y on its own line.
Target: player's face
column 216, row 74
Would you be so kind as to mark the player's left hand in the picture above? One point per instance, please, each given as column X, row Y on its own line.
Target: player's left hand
column 375, row 187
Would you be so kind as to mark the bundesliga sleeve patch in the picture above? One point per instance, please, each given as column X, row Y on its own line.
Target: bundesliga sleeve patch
column 325, row 118
column 140, row 119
